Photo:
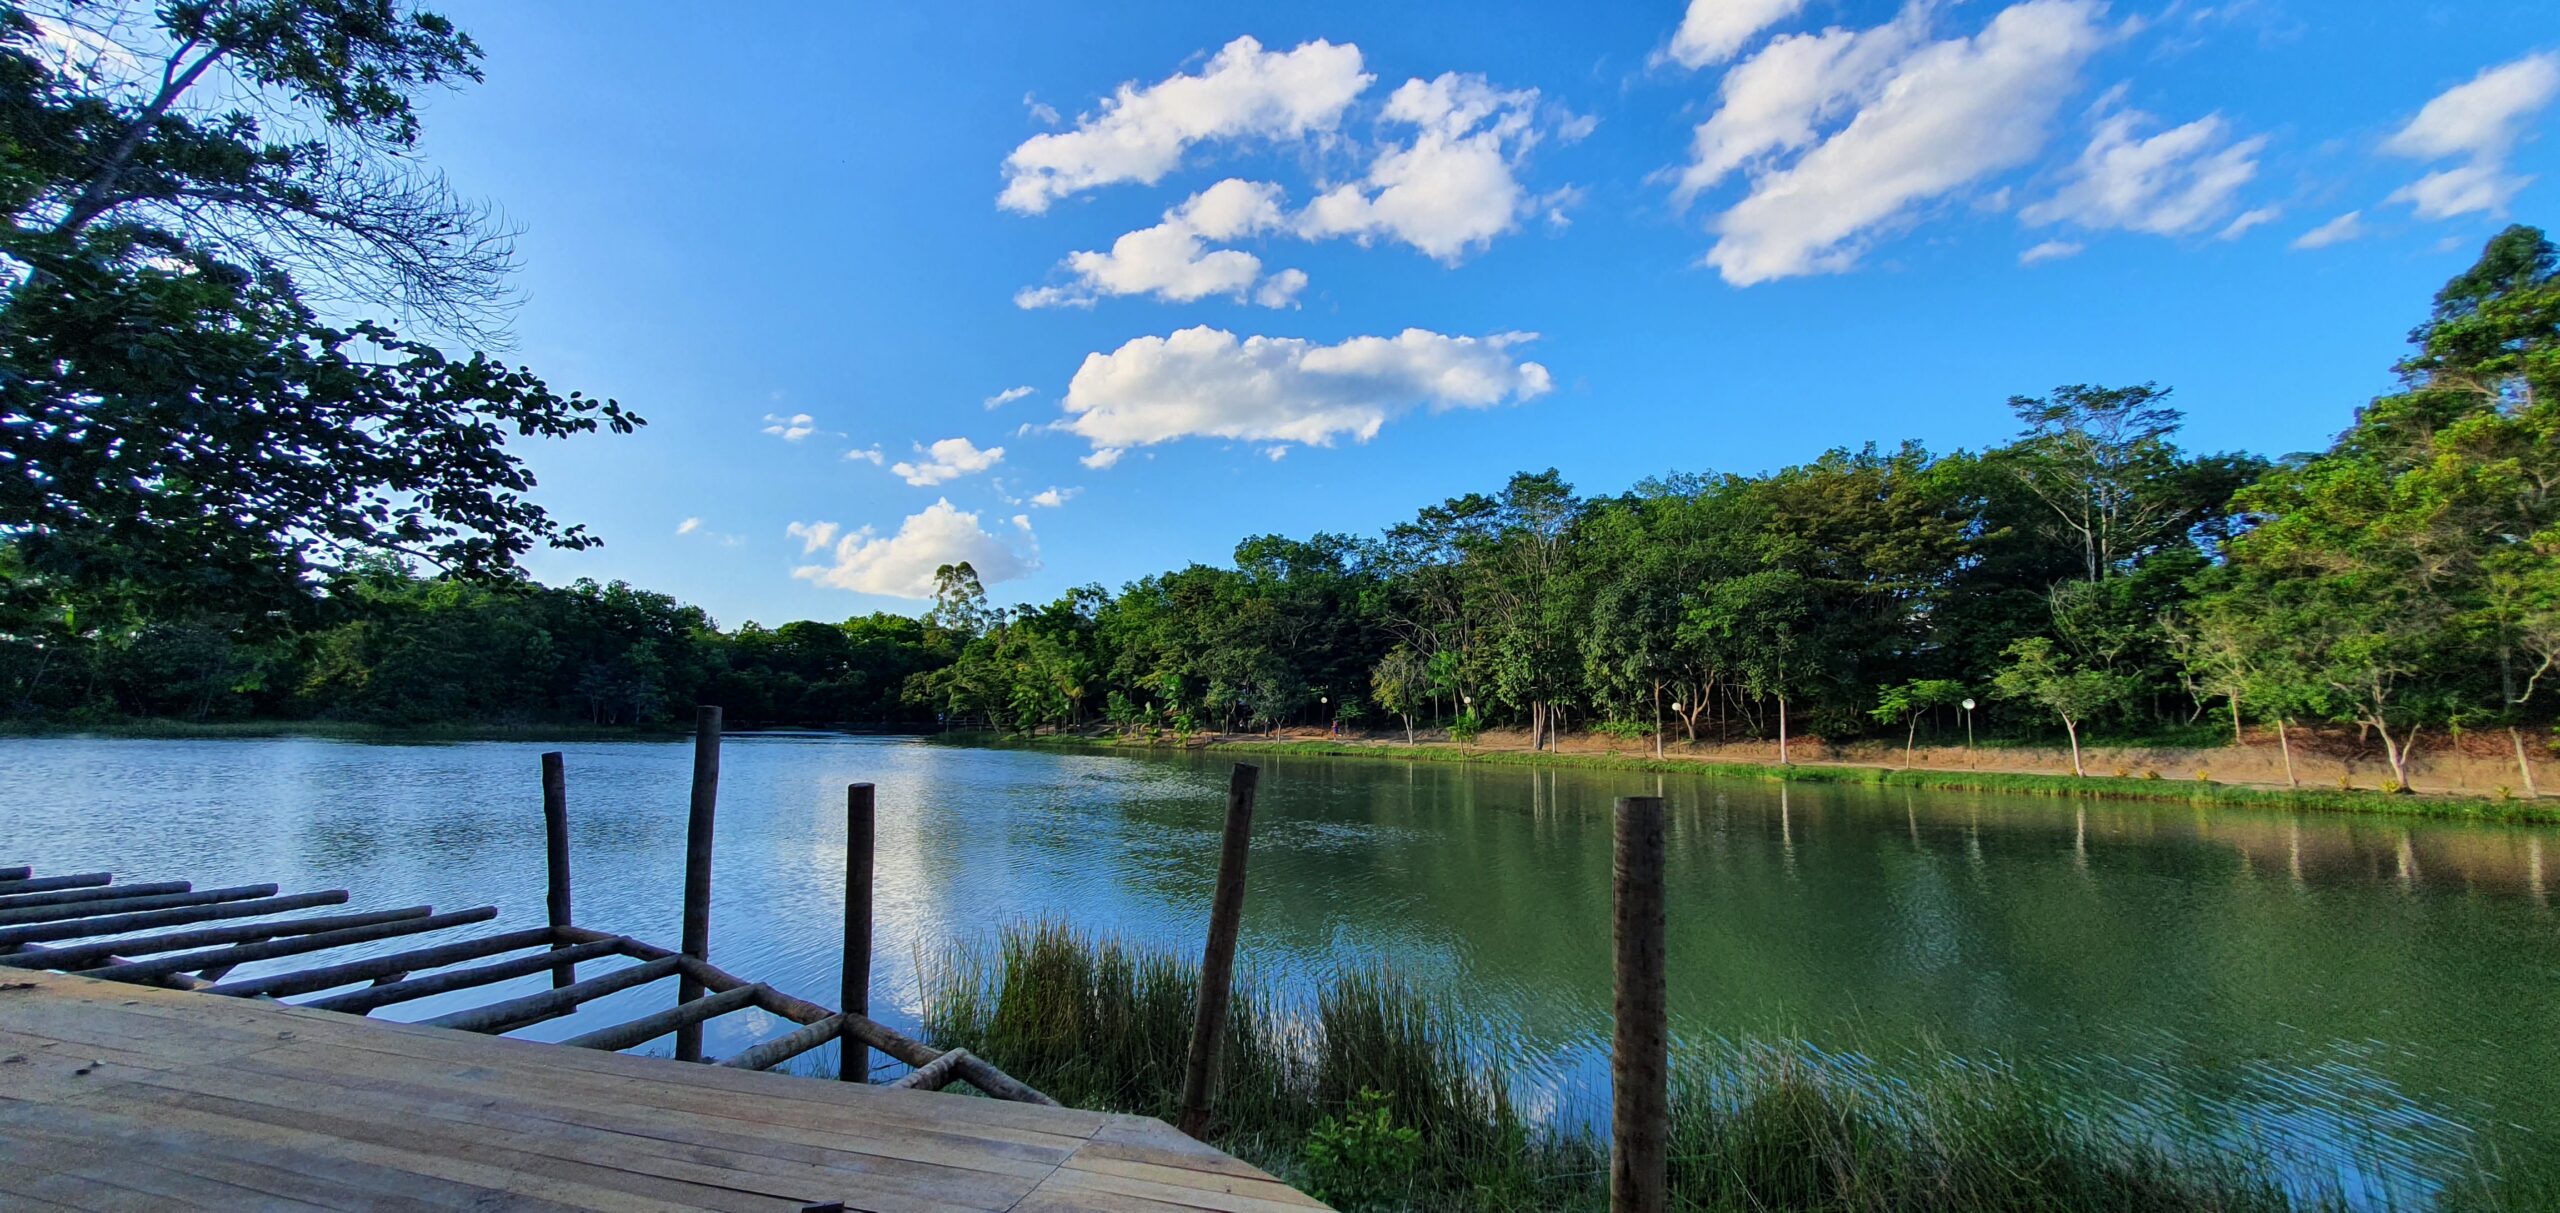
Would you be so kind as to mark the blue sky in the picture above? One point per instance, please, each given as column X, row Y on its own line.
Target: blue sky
column 1617, row 240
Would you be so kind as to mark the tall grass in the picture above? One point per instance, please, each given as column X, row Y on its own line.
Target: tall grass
column 1754, row 1128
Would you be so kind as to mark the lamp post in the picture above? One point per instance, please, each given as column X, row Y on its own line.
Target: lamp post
column 1968, row 730
column 1324, row 709
column 1683, row 714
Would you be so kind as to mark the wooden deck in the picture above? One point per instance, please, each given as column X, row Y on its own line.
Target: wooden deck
column 126, row 1097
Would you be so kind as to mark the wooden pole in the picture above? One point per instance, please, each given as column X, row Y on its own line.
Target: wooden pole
column 697, row 870
column 1640, row 1053
column 860, row 838
column 555, row 837
column 1217, row 966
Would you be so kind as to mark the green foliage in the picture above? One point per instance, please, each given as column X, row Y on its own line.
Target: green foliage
column 1361, row 1159
column 197, row 409
column 1466, row 729
column 1374, row 1097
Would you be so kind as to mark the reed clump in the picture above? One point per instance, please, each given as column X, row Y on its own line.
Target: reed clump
column 1369, row 1094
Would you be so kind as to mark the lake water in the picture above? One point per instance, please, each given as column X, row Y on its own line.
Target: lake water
column 2359, row 995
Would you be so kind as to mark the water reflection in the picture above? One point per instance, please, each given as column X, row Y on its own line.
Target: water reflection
column 2351, row 991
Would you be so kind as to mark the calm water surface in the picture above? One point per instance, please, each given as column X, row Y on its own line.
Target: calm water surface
column 2358, row 995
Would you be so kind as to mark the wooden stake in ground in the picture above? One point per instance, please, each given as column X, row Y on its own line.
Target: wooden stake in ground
column 1217, row 966
column 555, row 838
column 697, row 870
column 859, row 836
column 1640, row 1050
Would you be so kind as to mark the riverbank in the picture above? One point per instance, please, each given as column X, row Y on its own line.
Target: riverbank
column 1372, row 1095
column 2432, row 805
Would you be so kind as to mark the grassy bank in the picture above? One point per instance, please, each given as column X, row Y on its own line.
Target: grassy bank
column 2461, row 808
column 1370, row 1096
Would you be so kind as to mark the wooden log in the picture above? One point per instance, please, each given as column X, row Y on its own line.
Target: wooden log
column 83, row 954
column 551, row 1004
column 144, row 920
column 123, row 899
column 1640, row 1048
column 933, row 1075
column 978, row 1072
column 860, row 839
column 768, row 1054
column 169, row 981
column 47, row 884
column 17, row 901
column 196, row 962
column 20, row 872
column 697, row 870
column 387, row 992
column 1217, row 964
column 555, row 845
column 650, row 1027
column 304, row 981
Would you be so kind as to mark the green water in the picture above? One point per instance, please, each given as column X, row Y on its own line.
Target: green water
column 2361, row 997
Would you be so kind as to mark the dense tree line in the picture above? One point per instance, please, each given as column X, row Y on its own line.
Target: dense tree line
column 2091, row 573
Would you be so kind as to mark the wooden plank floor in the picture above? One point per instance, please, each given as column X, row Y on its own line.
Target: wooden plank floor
column 117, row 1097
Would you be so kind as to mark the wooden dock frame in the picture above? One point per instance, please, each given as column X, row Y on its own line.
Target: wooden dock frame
column 56, row 922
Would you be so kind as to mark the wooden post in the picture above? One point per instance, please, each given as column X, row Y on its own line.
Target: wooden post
column 1640, row 1053
column 555, row 837
column 697, row 870
column 1217, row 966
column 854, row 1065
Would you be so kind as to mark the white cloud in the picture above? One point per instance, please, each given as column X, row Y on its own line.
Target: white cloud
column 1204, row 382
column 1713, row 31
column 1454, row 186
column 2462, row 190
column 902, row 565
column 869, row 454
column 2249, row 220
column 1948, row 114
column 1776, row 100
column 2484, row 116
column 1103, row 457
column 1281, row 289
column 2175, row 183
column 1172, row 260
column 1052, row 498
column 792, row 428
column 949, row 459
column 1042, row 113
column 1141, row 133
column 2050, row 250
column 1009, row 395
column 812, row 535
column 2480, row 121
column 688, row 526
column 2346, row 227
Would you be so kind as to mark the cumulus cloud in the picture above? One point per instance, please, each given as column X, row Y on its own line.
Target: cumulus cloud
column 1454, row 185
column 947, row 460
column 1103, row 457
column 902, row 565
column 1777, row 100
column 1205, row 382
column 1041, row 112
column 1713, row 31
column 1052, row 498
column 2479, row 121
column 688, row 526
column 792, row 428
column 1172, row 260
column 812, row 535
column 868, row 454
column 2340, row 230
column 1008, row 396
column 2175, row 183
column 1281, row 289
column 2050, row 250
column 1141, row 133
column 1941, row 117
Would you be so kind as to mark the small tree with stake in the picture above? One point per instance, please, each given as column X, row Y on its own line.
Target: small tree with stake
column 1905, row 703
column 2038, row 674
